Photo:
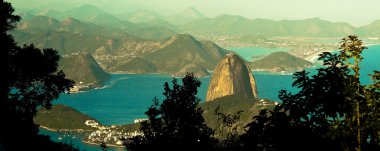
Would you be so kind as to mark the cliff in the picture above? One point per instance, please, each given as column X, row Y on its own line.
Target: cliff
column 232, row 76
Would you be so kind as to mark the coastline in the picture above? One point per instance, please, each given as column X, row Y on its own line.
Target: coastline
column 64, row 130
column 111, row 145
column 313, row 57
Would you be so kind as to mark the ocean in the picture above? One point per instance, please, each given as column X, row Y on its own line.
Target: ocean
column 127, row 96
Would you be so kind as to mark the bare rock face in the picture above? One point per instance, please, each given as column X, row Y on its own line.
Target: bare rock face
column 232, row 76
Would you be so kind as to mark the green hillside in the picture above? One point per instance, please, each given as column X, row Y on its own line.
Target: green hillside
column 280, row 61
column 62, row 117
column 84, row 70
column 134, row 65
column 174, row 56
column 182, row 50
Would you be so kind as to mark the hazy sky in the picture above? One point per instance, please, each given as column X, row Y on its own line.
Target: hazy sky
column 355, row 12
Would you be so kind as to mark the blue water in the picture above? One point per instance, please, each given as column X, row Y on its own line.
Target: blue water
column 129, row 95
column 371, row 62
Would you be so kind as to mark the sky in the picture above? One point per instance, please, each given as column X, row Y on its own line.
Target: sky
column 354, row 12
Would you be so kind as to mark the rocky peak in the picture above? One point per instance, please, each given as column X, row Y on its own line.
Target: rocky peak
column 232, row 76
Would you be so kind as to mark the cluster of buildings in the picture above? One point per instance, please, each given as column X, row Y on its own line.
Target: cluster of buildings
column 112, row 135
column 140, row 120
column 263, row 102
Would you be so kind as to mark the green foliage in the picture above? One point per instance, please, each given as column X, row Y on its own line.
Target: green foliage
column 332, row 110
column 229, row 105
column 30, row 80
column 61, row 117
column 228, row 129
column 176, row 123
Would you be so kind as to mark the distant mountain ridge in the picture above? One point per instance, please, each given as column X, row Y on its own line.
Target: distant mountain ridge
column 192, row 21
column 237, row 25
column 185, row 16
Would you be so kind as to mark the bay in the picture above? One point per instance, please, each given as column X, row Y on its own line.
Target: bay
column 128, row 96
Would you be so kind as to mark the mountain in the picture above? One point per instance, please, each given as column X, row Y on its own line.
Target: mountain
column 155, row 30
column 72, row 36
column 372, row 29
column 159, row 23
column 61, row 117
column 84, row 70
column 45, row 24
column 90, row 13
column 237, row 25
column 134, row 65
column 183, row 53
column 185, row 16
column 141, row 16
column 51, row 13
column 175, row 56
column 25, row 15
column 232, row 76
column 147, row 20
column 280, row 62
column 118, row 51
column 198, row 70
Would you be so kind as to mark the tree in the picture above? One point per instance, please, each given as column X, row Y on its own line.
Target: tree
column 176, row 123
column 228, row 130
column 29, row 81
column 332, row 108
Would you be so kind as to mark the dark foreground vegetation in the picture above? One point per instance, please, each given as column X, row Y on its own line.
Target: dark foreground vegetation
column 30, row 80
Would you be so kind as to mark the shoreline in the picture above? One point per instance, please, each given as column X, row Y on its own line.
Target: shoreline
column 314, row 57
column 79, row 130
column 271, row 72
column 108, row 145
column 64, row 130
